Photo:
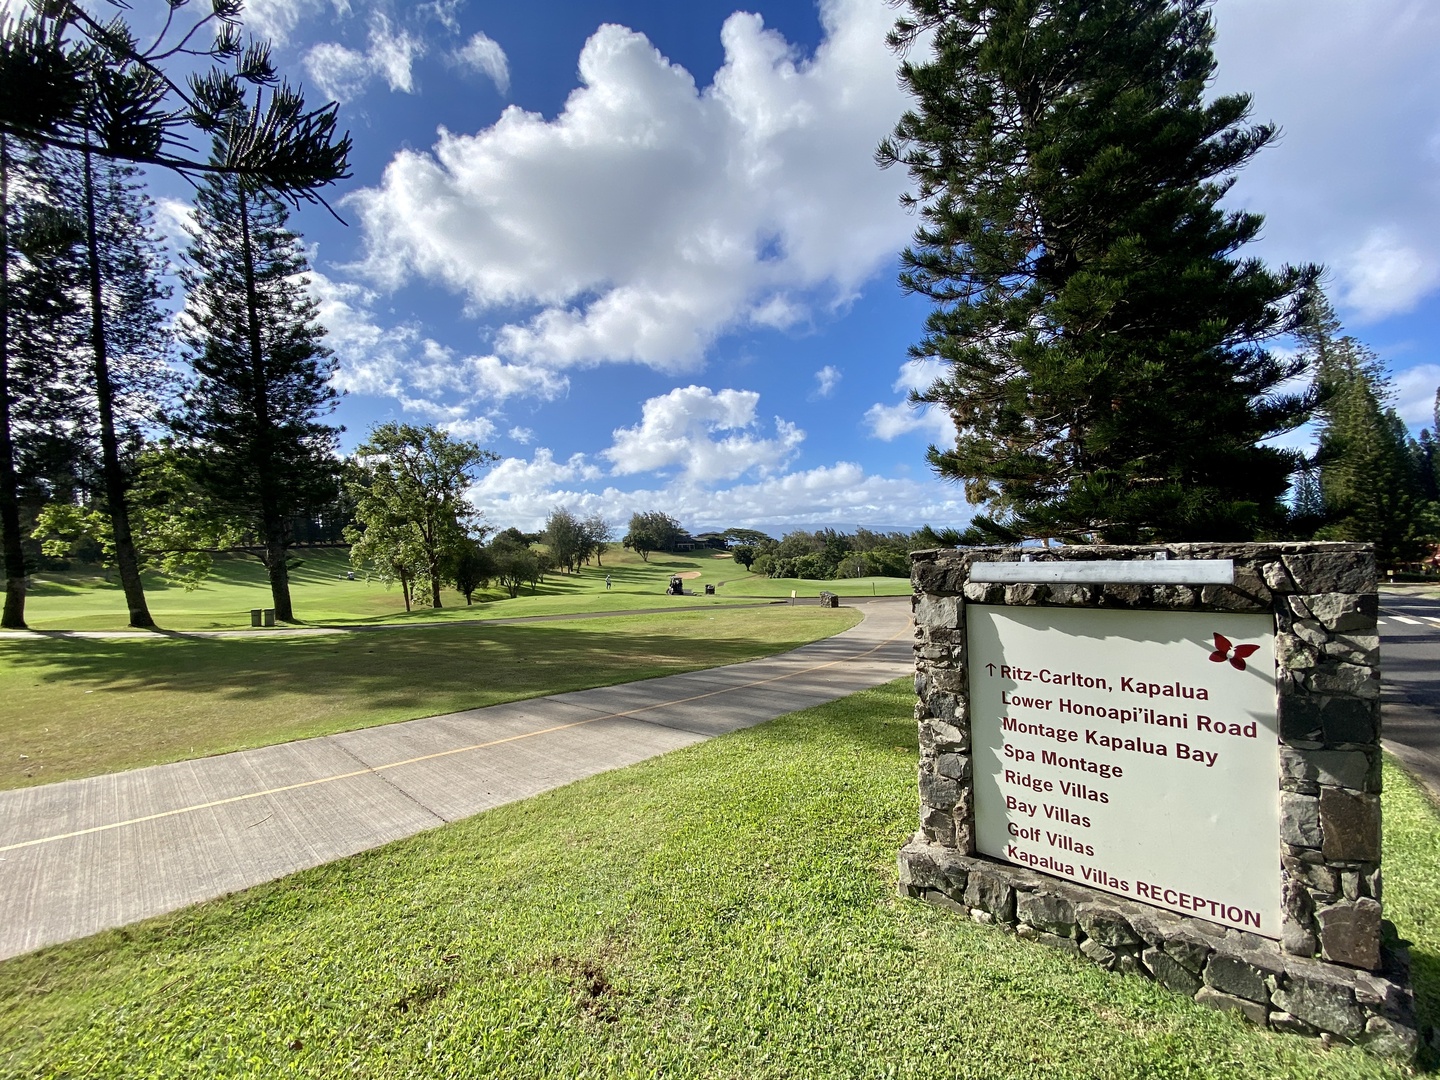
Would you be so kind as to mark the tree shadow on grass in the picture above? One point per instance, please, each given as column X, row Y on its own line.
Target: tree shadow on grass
column 388, row 671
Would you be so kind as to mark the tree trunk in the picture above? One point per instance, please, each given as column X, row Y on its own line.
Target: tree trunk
column 405, row 587
column 14, row 614
column 434, row 586
column 272, row 516
column 127, row 561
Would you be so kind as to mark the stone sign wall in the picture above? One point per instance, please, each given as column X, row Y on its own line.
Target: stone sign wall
column 1324, row 962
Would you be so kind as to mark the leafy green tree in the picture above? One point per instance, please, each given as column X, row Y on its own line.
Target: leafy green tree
column 565, row 538
column 515, row 564
column 252, row 415
column 1104, row 346
column 411, row 514
column 651, row 531
column 744, row 555
column 472, row 566
column 595, row 536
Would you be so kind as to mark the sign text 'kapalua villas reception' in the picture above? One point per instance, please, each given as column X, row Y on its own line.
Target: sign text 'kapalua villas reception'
column 1166, row 759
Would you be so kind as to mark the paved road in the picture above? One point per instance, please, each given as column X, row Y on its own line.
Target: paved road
column 85, row 855
column 1410, row 662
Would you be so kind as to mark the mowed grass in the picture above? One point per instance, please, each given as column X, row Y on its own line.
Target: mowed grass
column 75, row 707
column 84, row 600
column 724, row 911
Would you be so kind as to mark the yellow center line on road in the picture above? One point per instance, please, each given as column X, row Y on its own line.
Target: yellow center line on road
column 438, row 754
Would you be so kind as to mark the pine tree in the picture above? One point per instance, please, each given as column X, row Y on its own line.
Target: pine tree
column 1106, row 368
column 1370, row 481
column 38, row 386
column 127, row 341
column 252, row 416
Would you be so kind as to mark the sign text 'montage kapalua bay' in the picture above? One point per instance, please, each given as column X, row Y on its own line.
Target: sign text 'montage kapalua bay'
column 1131, row 751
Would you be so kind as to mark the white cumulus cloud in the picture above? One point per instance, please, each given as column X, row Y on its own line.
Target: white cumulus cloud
column 425, row 377
column 1415, row 390
column 889, row 422
column 342, row 73
column 708, row 435
column 1352, row 181
column 483, row 54
column 826, row 379
column 651, row 215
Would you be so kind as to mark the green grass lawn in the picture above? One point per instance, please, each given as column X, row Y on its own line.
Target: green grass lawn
column 724, row 911
column 74, row 707
column 85, row 600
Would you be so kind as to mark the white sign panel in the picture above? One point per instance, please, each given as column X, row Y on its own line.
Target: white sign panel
column 1131, row 751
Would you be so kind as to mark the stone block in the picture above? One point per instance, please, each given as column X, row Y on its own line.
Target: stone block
column 1236, row 598
column 1093, row 950
column 1315, row 876
column 1176, row 597
column 1327, row 1006
column 1169, row 972
column 1235, row 977
column 1124, row 596
column 1047, row 912
column 1350, row 933
column 1295, row 654
column 938, row 791
column 948, row 706
column 1389, row 1039
column 937, row 612
column 1029, row 593
column 1354, row 648
column 938, row 824
column 953, row 766
column 1342, row 612
column 1352, row 680
column 1215, row 999
column 990, row 892
column 1350, row 824
column 1349, row 721
column 1301, row 717
column 1311, row 632
column 1332, row 572
column 1106, row 925
column 1299, row 819
column 1297, row 939
column 937, row 578
column 1299, row 608
column 1338, row 768
column 984, row 592
column 1188, row 951
column 1072, row 595
column 943, row 737
column 1277, row 578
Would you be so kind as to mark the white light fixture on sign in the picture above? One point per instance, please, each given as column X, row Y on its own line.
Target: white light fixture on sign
column 1108, row 571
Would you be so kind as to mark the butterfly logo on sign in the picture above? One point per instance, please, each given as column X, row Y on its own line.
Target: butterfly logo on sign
column 1236, row 654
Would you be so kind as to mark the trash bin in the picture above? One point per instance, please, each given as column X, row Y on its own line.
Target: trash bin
column 267, row 617
column 709, row 590
column 255, row 616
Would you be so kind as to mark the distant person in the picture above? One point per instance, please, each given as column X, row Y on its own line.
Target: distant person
column 607, row 582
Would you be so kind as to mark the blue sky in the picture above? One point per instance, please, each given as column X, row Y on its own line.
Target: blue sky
column 640, row 249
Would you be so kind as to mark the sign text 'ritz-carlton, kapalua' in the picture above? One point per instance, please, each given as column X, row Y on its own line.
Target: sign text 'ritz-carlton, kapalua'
column 1166, row 759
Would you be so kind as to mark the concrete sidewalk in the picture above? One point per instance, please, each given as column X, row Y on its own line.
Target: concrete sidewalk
column 86, row 855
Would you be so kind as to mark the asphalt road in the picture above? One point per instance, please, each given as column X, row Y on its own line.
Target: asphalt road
column 1410, row 667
